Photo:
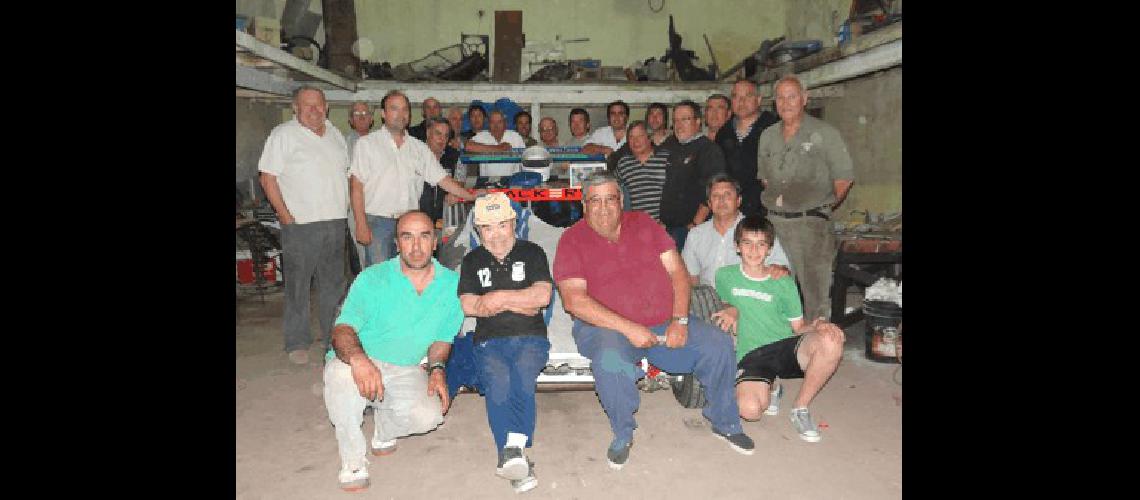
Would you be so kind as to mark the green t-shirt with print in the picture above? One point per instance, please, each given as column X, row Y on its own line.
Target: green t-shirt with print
column 766, row 306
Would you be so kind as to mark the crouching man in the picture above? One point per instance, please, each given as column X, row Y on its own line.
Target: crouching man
column 396, row 312
column 505, row 283
column 773, row 341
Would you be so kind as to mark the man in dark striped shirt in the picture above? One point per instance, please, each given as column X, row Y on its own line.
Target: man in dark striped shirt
column 641, row 172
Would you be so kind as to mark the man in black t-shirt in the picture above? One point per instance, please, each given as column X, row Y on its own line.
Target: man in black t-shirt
column 505, row 283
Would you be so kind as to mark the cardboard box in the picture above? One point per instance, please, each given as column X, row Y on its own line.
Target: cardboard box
column 266, row 29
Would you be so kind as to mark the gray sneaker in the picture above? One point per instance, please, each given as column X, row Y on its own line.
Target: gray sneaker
column 739, row 442
column 801, row 419
column 774, row 400
column 527, row 483
column 512, row 464
column 618, row 453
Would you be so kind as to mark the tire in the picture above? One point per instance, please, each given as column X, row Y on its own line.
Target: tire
column 689, row 392
column 703, row 302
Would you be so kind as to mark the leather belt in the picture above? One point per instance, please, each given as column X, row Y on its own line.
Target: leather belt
column 814, row 212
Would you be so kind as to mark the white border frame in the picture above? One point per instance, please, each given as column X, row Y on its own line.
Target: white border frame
column 579, row 170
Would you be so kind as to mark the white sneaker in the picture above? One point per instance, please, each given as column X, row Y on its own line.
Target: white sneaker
column 513, row 464
column 774, row 400
column 354, row 480
column 804, row 425
column 381, row 448
column 299, row 357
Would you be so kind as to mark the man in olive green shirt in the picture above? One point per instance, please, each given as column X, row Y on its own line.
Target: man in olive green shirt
column 806, row 171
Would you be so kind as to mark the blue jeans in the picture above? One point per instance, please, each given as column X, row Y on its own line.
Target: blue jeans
column 508, row 370
column 708, row 354
column 383, row 245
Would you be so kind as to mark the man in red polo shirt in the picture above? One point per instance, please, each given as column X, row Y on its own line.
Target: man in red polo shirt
column 621, row 277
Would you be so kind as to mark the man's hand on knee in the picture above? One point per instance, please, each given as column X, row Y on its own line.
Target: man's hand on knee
column 367, row 377
column 676, row 335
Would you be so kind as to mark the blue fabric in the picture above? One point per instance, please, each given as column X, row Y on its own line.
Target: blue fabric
column 505, row 104
column 460, row 368
column 509, row 368
column 708, row 354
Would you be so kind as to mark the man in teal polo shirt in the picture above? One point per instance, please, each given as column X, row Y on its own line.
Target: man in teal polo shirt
column 396, row 312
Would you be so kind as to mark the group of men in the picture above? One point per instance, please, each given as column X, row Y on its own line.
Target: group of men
column 624, row 275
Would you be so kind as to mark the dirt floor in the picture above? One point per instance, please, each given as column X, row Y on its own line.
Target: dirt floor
column 285, row 446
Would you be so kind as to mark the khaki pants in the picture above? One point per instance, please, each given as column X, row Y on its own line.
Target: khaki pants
column 406, row 407
column 811, row 250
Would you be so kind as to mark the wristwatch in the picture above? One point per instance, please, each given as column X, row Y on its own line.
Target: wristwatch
column 435, row 366
column 681, row 320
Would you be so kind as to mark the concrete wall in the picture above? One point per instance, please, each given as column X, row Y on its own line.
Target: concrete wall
column 274, row 8
column 869, row 117
column 254, row 122
column 620, row 32
column 816, row 19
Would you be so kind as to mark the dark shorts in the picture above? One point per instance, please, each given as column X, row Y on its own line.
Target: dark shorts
column 767, row 363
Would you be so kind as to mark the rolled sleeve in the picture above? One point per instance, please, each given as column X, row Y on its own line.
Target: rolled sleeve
column 355, row 311
column 433, row 171
column 273, row 155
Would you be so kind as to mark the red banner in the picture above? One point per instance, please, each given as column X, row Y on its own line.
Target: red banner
column 540, row 194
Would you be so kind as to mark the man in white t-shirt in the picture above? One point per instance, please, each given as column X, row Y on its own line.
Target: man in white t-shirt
column 303, row 174
column 606, row 140
column 497, row 138
column 388, row 169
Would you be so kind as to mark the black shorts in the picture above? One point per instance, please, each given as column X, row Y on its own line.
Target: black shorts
column 767, row 363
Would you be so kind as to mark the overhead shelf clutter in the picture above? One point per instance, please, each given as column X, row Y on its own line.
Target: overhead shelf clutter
column 875, row 51
column 269, row 72
column 266, row 69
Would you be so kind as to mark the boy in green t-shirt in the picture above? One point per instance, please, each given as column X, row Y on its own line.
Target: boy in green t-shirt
column 773, row 341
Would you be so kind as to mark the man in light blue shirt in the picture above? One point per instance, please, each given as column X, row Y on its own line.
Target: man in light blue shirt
column 396, row 311
column 710, row 245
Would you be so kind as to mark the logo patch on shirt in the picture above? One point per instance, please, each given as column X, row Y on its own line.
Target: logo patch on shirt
column 807, row 147
column 518, row 271
column 745, row 292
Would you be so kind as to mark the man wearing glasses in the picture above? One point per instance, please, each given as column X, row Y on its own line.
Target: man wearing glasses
column 694, row 159
column 621, row 277
column 360, row 119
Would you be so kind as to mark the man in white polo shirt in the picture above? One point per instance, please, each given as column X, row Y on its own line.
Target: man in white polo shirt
column 606, row 140
column 497, row 138
column 388, row 171
column 302, row 172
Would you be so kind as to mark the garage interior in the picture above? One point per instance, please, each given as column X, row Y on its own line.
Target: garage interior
column 285, row 446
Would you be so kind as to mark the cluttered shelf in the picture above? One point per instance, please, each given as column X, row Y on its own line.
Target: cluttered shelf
column 269, row 72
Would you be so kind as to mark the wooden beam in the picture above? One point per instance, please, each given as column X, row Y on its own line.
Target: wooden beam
column 252, row 45
column 549, row 94
column 340, row 34
column 263, row 81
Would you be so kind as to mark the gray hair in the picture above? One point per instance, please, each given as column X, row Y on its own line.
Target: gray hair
column 436, row 120
column 297, row 92
column 721, row 177
column 790, row 78
column 597, row 178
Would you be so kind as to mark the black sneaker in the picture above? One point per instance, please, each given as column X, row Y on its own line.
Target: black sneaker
column 512, row 464
column 739, row 441
column 618, row 453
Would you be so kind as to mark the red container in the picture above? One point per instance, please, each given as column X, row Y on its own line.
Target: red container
column 245, row 271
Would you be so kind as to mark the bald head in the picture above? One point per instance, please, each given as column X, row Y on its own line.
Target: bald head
column 431, row 108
